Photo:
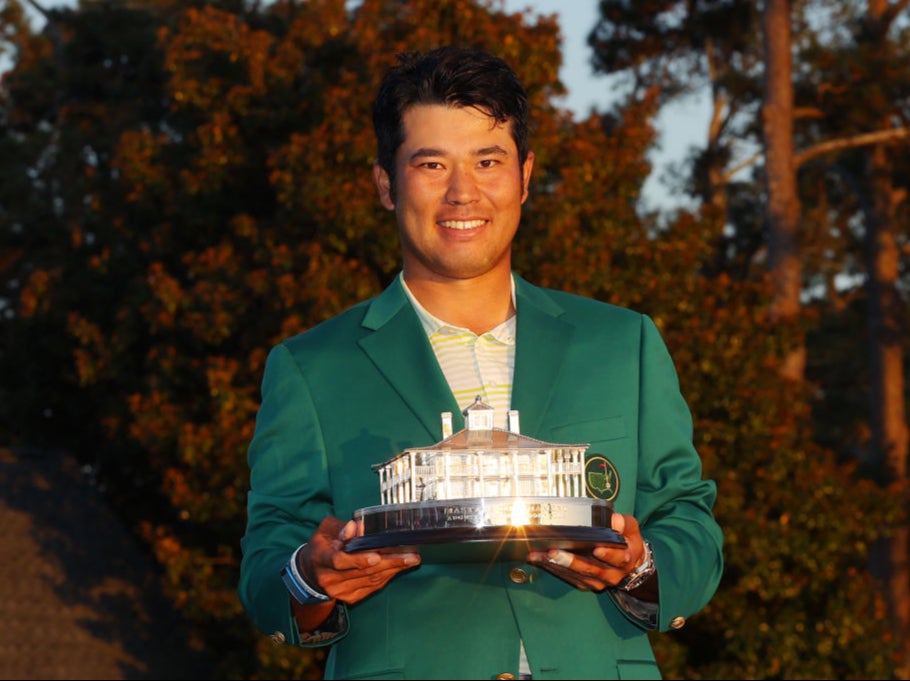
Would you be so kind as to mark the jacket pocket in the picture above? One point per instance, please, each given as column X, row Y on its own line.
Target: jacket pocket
column 591, row 430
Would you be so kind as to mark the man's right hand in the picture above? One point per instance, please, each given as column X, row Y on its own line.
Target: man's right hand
column 348, row 577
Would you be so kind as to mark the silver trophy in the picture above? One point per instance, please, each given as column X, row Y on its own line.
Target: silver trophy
column 484, row 493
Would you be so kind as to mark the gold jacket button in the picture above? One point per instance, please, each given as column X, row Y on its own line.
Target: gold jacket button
column 518, row 576
column 677, row 622
column 506, row 675
column 277, row 637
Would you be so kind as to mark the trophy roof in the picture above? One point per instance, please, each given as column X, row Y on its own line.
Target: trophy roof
column 480, row 434
column 494, row 439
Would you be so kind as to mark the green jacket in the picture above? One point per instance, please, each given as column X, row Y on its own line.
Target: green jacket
column 361, row 387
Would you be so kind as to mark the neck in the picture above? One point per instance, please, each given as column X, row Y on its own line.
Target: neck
column 478, row 304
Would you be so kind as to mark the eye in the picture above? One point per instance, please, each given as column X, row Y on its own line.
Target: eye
column 488, row 163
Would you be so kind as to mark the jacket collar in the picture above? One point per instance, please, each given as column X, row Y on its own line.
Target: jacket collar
column 399, row 348
column 543, row 338
column 401, row 352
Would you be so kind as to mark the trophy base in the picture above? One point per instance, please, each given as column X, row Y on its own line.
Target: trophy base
column 486, row 529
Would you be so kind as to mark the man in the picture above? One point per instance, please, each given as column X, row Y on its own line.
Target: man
column 454, row 165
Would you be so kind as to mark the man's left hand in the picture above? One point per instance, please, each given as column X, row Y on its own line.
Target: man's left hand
column 604, row 567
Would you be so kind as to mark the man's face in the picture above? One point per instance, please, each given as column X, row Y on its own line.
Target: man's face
column 458, row 192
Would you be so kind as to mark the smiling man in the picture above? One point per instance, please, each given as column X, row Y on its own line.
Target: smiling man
column 458, row 190
column 454, row 166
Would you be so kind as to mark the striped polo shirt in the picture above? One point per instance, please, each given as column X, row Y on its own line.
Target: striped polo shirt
column 473, row 364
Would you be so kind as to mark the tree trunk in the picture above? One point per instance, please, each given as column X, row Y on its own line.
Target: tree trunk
column 783, row 200
column 888, row 423
column 886, row 391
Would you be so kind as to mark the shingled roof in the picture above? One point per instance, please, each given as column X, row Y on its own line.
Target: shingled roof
column 79, row 599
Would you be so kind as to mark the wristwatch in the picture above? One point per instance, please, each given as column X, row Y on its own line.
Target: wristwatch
column 302, row 592
column 642, row 573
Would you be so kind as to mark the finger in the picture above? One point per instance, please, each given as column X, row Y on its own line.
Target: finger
column 405, row 558
column 614, row 557
column 352, row 585
column 560, row 558
column 357, row 560
column 581, row 566
column 536, row 557
column 372, row 576
column 348, row 531
column 571, row 568
column 618, row 522
column 573, row 576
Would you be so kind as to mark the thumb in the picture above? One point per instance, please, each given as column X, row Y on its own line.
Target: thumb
column 349, row 531
column 618, row 522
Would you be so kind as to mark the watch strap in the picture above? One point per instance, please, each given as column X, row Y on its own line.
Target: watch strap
column 298, row 587
column 642, row 573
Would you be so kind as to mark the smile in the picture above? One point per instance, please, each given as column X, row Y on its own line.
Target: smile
column 461, row 224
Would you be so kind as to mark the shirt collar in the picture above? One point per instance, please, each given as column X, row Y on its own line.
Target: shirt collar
column 504, row 333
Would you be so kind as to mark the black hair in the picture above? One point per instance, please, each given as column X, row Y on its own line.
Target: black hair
column 452, row 76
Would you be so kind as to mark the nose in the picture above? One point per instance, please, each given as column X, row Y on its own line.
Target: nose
column 462, row 187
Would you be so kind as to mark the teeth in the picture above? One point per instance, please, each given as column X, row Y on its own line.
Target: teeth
column 461, row 224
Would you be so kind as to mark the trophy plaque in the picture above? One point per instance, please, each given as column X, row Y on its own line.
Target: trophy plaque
column 483, row 494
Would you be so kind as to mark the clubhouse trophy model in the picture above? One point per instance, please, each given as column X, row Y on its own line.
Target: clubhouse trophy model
column 484, row 493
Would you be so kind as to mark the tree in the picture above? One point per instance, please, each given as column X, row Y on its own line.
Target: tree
column 858, row 133
column 783, row 206
column 668, row 38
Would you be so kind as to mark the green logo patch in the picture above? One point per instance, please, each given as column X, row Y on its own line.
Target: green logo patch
column 601, row 478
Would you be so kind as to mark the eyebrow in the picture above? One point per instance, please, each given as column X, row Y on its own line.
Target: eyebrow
column 426, row 152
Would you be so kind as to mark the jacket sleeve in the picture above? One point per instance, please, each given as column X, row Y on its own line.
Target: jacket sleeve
column 673, row 503
column 289, row 495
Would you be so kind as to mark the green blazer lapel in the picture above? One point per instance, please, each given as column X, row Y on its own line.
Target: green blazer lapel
column 542, row 341
column 399, row 348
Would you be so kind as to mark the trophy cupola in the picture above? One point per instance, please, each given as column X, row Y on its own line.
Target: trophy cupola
column 478, row 416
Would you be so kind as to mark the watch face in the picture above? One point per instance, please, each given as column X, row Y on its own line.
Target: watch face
column 641, row 574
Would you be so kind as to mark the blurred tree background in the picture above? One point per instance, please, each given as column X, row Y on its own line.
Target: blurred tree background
column 185, row 183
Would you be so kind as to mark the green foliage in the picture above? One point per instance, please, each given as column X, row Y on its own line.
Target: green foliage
column 185, row 183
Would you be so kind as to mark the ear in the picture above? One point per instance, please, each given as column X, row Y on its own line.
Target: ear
column 526, row 175
column 383, row 186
